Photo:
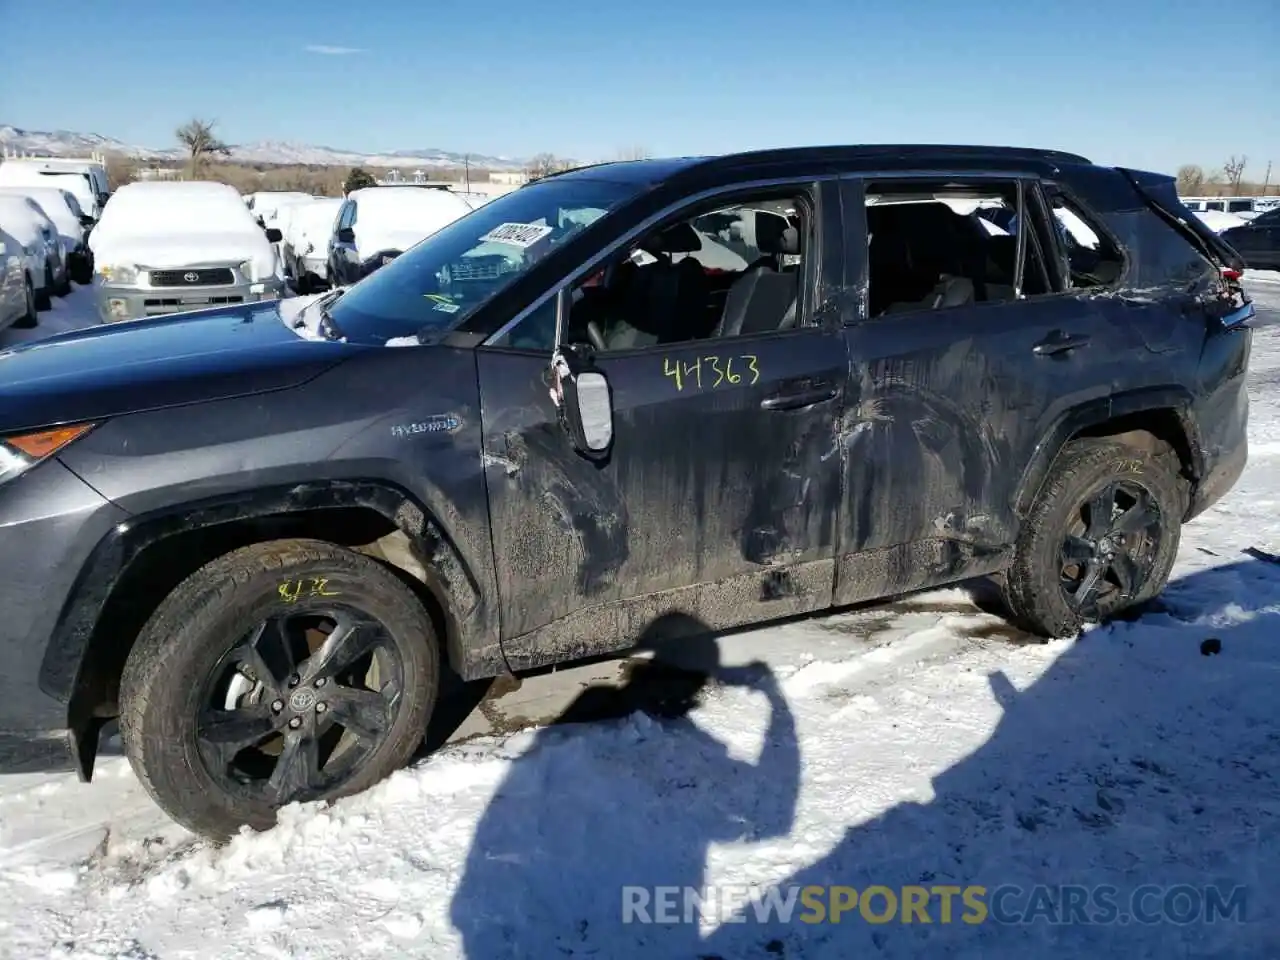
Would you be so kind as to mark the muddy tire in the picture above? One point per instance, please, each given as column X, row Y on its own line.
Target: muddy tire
column 289, row 670
column 31, row 318
column 1100, row 538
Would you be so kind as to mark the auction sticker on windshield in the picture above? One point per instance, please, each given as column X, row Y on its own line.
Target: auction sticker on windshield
column 523, row 235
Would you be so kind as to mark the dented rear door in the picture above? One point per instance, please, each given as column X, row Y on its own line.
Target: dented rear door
column 945, row 409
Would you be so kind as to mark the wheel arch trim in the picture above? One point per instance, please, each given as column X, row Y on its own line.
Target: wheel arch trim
column 1175, row 399
column 458, row 593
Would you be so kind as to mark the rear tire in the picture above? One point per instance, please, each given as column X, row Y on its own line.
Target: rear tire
column 183, row 737
column 1072, row 567
column 31, row 318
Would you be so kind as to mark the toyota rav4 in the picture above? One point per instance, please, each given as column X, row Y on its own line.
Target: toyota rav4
column 736, row 388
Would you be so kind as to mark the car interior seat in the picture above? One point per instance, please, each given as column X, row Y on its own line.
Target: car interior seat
column 663, row 301
column 764, row 298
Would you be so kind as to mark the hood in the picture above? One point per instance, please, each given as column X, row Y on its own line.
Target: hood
column 162, row 362
column 174, row 251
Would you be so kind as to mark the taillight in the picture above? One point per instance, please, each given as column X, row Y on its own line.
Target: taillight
column 1230, row 273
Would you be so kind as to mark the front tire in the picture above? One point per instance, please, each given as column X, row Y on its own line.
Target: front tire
column 1101, row 537
column 288, row 670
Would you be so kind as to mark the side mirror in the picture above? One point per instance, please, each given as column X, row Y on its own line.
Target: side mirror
column 103, row 198
column 347, row 235
column 86, row 220
column 274, row 235
column 586, row 406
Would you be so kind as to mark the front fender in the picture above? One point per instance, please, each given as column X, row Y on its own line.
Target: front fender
column 471, row 629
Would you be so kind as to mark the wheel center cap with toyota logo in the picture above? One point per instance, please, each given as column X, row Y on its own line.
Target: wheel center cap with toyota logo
column 191, row 277
column 303, row 699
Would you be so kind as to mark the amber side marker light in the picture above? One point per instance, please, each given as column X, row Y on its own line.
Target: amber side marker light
column 45, row 443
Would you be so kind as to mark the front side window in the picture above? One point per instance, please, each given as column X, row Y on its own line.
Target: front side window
column 443, row 279
column 709, row 272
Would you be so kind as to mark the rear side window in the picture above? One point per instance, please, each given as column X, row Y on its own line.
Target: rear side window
column 937, row 245
column 1089, row 256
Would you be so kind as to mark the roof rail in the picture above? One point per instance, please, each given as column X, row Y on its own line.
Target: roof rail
column 12, row 154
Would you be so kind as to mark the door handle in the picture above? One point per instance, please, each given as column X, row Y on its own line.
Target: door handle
column 1059, row 342
column 801, row 398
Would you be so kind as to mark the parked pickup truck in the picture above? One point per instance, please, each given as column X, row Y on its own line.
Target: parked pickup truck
column 255, row 534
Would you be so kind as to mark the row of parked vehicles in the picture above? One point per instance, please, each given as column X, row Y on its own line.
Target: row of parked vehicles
column 165, row 247
column 48, row 207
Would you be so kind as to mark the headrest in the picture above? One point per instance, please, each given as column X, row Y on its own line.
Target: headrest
column 769, row 230
column 790, row 242
column 678, row 238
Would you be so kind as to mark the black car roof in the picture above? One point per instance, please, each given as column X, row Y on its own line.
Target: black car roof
column 853, row 156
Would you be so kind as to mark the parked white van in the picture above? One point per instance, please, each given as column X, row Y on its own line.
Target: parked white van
column 86, row 179
column 166, row 247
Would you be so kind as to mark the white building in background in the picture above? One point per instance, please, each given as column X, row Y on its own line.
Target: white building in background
column 512, row 178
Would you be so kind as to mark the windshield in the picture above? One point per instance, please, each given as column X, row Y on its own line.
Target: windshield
column 441, row 280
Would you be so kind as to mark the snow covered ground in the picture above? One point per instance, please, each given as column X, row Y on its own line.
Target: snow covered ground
column 919, row 744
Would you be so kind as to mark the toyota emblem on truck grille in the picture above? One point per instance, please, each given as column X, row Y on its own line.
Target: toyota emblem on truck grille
column 191, row 277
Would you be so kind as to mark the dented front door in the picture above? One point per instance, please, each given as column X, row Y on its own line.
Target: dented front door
column 718, row 501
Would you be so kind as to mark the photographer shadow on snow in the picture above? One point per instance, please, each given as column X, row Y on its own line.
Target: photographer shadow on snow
column 576, row 819
column 1138, row 756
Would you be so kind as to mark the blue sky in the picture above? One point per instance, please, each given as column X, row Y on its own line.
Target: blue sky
column 1152, row 83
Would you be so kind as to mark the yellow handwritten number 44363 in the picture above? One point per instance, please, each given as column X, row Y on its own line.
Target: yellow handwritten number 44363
column 719, row 367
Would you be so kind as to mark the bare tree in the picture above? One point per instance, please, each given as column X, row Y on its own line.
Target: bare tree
column 1190, row 179
column 198, row 138
column 1233, row 172
column 634, row 153
column 544, row 164
column 121, row 169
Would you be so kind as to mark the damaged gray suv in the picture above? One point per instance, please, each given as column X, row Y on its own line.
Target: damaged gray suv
column 735, row 388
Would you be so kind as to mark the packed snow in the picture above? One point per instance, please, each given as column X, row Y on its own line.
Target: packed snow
column 922, row 743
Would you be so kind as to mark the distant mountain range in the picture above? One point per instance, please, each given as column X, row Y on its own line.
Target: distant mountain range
column 69, row 143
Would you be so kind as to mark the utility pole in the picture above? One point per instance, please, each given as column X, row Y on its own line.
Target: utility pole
column 1266, row 183
column 466, row 171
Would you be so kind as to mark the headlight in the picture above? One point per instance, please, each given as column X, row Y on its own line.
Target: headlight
column 118, row 273
column 246, row 270
column 19, row 454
